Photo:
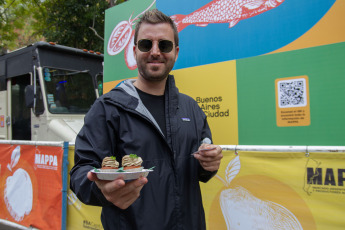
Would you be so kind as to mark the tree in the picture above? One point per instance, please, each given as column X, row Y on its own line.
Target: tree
column 75, row 23
column 16, row 20
column 115, row 2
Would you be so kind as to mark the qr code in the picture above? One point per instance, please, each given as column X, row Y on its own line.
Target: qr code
column 292, row 93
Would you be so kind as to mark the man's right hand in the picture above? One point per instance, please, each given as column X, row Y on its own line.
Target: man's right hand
column 118, row 192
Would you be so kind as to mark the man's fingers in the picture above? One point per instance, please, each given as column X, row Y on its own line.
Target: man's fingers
column 130, row 193
column 142, row 181
column 118, row 192
column 207, row 164
column 201, row 157
column 92, row 176
column 210, row 166
column 209, row 159
column 120, row 186
column 110, row 186
column 138, row 183
column 212, row 152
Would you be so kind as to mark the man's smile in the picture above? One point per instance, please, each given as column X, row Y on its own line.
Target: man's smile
column 155, row 62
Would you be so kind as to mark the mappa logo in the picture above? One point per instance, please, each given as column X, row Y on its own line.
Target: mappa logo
column 328, row 176
column 46, row 161
column 90, row 225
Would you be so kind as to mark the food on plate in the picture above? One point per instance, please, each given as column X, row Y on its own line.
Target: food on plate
column 130, row 168
column 132, row 162
column 110, row 163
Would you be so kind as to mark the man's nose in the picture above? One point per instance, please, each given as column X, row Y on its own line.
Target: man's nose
column 155, row 49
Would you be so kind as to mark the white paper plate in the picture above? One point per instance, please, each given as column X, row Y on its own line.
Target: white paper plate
column 126, row 175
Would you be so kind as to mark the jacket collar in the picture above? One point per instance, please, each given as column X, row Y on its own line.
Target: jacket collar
column 126, row 95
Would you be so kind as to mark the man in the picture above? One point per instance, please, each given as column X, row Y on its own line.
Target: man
column 150, row 118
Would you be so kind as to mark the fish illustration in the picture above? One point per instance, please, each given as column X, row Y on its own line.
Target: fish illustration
column 224, row 11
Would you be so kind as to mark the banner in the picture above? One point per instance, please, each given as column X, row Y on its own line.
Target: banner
column 31, row 185
column 264, row 72
column 80, row 216
column 268, row 190
column 292, row 98
column 220, row 108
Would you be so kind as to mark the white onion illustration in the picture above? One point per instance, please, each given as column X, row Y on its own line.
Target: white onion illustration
column 242, row 210
column 18, row 194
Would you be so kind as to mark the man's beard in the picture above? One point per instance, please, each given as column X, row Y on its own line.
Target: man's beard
column 149, row 74
column 151, row 77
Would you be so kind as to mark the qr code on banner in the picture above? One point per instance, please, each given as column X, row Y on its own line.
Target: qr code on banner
column 292, row 93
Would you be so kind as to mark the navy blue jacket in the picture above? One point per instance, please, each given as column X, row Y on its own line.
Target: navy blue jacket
column 118, row 124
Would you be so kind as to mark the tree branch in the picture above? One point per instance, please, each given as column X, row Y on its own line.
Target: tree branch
column 8, row 6
column 93, row 29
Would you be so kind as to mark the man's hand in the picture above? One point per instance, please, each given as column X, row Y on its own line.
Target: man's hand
column 118, row 192
column 209, row 159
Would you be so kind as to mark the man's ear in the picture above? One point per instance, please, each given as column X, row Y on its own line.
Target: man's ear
column 177, row 51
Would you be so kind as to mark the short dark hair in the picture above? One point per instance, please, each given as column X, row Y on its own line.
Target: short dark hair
column 155, row 16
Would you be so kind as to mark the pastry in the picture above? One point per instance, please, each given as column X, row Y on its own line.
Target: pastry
column 132, row 162
column 110, row 163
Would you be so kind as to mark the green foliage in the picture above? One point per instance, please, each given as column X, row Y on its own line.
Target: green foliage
column 16, row 18
column 75, row 23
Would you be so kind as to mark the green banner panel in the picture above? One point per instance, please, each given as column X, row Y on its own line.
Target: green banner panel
column 323, row 67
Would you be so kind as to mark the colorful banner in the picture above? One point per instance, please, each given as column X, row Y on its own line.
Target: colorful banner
column 79, row 215
column 31, row 185
column 269, row 73
column 226, row 30
column 265, row 73
column 268, row 190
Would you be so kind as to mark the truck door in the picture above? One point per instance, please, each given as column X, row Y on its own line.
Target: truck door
column 3, row 111
column 20, row 114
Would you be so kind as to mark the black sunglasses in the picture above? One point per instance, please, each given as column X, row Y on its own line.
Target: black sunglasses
column 165, row 46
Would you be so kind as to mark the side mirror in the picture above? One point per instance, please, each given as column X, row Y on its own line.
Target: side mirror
column 29, row 96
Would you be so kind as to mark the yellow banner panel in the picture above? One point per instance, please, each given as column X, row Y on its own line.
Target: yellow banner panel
column 79, row 215
column 214, row 87
column 260, row 190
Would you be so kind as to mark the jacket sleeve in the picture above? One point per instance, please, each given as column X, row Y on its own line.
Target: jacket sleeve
column 93, row 143
column 206, row 135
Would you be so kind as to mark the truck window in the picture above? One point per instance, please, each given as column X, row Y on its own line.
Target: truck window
column 3, row 84
column 100, row 83
column 67, row 91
